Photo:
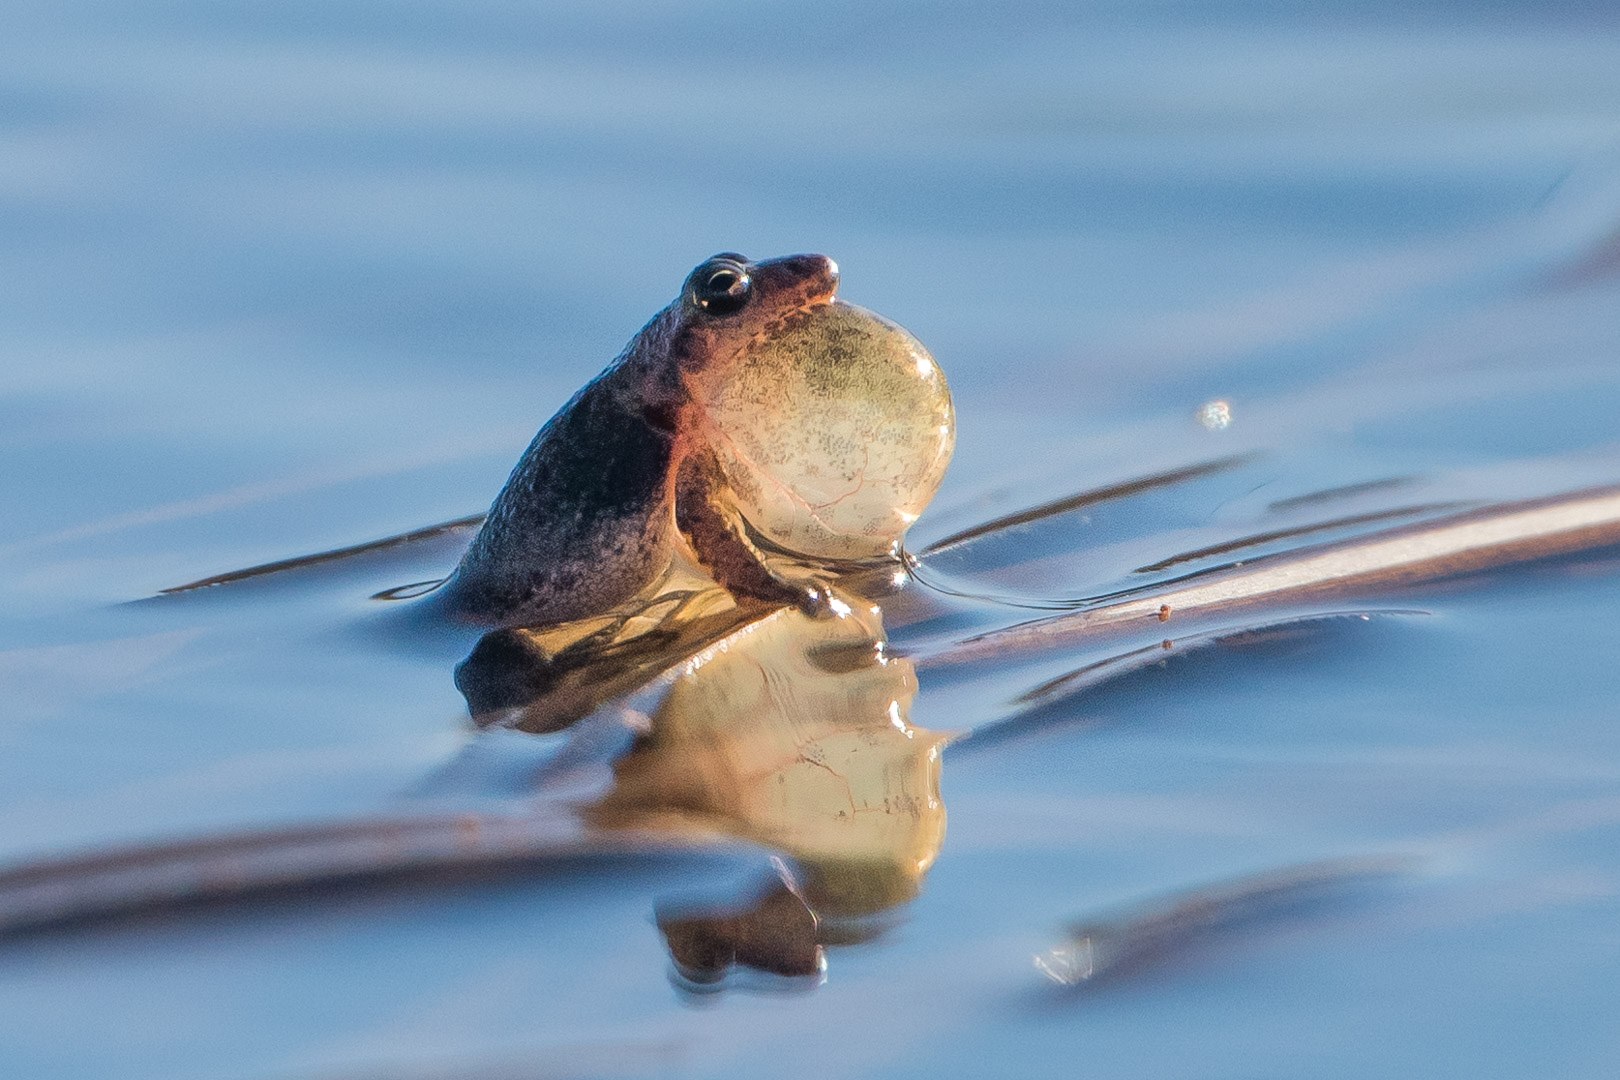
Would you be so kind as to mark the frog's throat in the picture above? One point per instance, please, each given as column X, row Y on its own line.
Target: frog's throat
column 702, row 382
column 702, row 431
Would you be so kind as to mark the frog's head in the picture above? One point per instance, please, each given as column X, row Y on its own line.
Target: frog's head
column 730, row 307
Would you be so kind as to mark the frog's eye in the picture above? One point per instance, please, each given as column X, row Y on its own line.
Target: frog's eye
column 721, row 287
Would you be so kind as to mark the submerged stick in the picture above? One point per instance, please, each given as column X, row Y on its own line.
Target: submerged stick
column 299, row 562
column 1496, row 536
column 1104, row 948
column 1094, row 497
column 436, row 847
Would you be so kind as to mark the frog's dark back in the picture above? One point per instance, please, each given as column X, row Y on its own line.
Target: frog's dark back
column 582, row 524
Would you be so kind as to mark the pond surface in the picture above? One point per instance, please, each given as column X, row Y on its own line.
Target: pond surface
column 281, row 279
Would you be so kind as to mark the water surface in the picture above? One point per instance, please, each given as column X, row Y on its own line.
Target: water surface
column 279, row 280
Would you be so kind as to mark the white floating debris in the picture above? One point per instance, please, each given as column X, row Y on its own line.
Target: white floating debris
column 1068, row 965
column 1216, row 415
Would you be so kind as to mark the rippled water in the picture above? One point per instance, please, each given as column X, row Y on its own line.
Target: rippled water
column 283, row 279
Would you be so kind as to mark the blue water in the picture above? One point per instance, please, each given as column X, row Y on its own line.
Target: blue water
column 276, row 279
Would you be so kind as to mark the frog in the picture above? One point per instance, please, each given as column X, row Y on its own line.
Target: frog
column 758, row 428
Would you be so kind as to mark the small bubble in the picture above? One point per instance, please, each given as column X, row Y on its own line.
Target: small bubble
column 1215, row 415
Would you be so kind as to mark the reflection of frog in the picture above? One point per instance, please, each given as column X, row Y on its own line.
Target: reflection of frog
column 790, row 732
column 797, row 736
column 753, row 428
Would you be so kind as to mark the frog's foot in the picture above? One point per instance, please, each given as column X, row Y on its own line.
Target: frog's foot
column 719, row 538
column 818, row 600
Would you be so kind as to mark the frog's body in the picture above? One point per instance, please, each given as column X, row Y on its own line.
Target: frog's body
column 679, row 446
column 584, row 522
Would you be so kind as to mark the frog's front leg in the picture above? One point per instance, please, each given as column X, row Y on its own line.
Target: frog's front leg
column 718, row 535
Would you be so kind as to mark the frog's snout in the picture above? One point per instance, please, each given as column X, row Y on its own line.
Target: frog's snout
column 815, row 277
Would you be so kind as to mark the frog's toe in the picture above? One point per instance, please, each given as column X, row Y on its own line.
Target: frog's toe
column 816, row 599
